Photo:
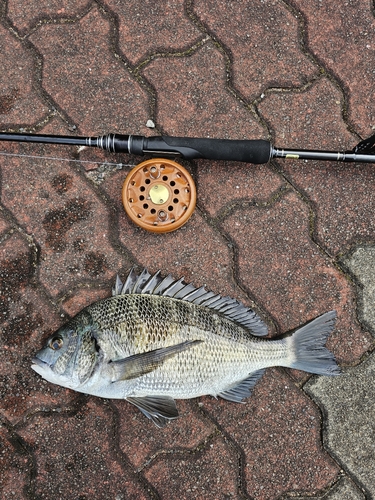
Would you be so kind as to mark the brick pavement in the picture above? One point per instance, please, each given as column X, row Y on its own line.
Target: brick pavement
column 291, row 239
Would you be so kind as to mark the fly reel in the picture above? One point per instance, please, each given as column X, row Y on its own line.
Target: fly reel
column 159, row 195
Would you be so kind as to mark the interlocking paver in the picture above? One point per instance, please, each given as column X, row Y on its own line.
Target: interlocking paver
column 68, row 220
column 342, row 37
column 3, row 223
column 183, row 107
column 304, row 282
column 223, row 185
column 344, row 488
column 291, row 239
column 308, row 118
column 26, row 316
column 349, row 430
column 15, row 466
column 205, row 474
column 342, row 193
column 264, row 43
column 85, row 465
column 141, row 443
column 19, row 101
column 348, row 402
column 34, row 13
column 361, row 264
column 278, row 431
column 149, row 28
column 168, row 251
column 344, row 207
column 84, row 78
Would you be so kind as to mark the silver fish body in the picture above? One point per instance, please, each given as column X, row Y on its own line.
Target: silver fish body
column 156, row 340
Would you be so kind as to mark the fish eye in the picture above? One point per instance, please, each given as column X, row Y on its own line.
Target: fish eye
column 56, row 343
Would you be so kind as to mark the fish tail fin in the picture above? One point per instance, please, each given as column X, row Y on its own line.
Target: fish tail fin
column 308, row 346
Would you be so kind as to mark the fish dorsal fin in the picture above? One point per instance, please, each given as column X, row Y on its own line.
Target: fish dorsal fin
column 145, row 283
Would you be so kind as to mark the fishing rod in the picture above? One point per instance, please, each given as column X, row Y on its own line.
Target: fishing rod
column 159, row 195
column 249, row 151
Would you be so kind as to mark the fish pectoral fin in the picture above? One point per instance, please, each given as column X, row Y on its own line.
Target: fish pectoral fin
column 160, row 409
column 146, row 362
column 242, row 390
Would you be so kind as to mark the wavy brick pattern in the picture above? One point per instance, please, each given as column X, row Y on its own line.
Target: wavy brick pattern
column 280, row 237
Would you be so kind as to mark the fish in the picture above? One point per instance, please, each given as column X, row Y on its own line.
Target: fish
column 158, row 339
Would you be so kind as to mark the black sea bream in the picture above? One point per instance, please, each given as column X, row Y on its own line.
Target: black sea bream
column 156, row 340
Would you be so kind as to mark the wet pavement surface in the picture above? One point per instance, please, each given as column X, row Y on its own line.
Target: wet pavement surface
column 292, row 239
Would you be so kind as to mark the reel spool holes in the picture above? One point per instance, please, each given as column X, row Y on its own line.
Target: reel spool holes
column 159, row 195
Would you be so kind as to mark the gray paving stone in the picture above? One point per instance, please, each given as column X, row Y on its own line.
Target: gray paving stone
column 348, row 401
column 349, row 407
column 344, row 489
column 361, row 264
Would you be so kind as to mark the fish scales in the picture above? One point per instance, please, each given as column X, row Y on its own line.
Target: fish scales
column 145, row 322
column 148, row 347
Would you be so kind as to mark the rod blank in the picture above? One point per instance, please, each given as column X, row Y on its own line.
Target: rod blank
column 305, row 154
column 249, row 151
column 46, row 139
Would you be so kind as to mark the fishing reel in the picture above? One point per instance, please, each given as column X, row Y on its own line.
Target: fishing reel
column 159, row 195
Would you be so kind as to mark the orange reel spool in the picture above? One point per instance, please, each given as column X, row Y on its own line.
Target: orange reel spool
column 159, row 195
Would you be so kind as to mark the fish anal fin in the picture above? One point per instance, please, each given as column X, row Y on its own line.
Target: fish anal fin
column 243, row 389
column 160, row 409
column 146, row 362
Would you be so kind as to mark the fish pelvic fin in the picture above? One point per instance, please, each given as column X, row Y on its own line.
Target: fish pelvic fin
column 307, row 345
column 159, row 409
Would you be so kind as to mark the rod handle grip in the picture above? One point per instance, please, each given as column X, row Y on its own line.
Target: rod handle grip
column 249, row 151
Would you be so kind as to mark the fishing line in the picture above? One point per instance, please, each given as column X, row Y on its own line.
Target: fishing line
column 18, row 155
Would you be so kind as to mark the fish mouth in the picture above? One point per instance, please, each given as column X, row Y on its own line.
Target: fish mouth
column 38, row 362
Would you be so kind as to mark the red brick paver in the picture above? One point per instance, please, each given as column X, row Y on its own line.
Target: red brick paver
column 273, row 236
